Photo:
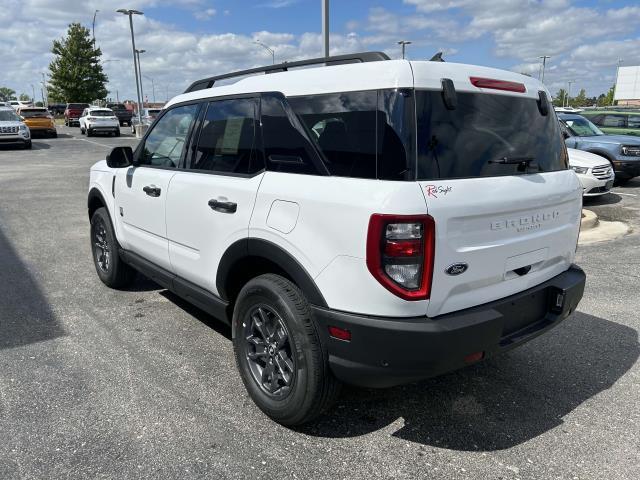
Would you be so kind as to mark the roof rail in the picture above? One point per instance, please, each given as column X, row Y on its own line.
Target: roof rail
column 283, row 67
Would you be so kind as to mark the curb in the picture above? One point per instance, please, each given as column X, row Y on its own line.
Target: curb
column 589, row 220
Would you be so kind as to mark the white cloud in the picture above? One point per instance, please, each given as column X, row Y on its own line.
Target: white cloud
column 204, row 14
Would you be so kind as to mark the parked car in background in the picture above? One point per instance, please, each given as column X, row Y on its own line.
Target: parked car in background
column 39, row 120
column 148, row 116
column 57, row 108
column 622, row 151
column 99, row 120
column 73, row 112
column 12, row 129
column 19, row 103
column 595, row 172
column 615, row 122
column 124, row 115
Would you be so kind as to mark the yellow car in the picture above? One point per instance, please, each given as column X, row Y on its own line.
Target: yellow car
column 38, row 119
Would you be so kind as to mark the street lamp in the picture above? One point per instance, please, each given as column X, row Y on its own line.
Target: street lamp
column 138, row 52
column 33, row 95
column 404, row 43
column 325, row 26
column 544, row 65
column 130, row 13
column 569, row 91
column 269, row 49
column 153, row 87
column 615, row 84
column 93, row 27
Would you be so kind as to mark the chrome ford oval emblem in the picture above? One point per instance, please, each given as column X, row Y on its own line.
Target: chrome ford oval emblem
column 456, row 269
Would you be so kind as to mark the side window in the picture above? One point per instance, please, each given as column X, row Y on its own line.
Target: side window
column 164, row 144
column 614, row 121
column 286, row 148
column 227, row 140
column 634, row 121
column 344, row 127
column 596, row 119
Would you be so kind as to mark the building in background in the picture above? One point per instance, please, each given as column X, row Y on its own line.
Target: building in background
column 628, row 87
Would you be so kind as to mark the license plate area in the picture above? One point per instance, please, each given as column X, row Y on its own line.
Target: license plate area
column 524, row 311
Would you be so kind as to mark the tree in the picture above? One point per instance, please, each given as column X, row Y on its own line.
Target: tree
column 608, row 100
column 6, row 94
column 579, row 100
column 560, row 98
column 76, row 72
column 24, row 97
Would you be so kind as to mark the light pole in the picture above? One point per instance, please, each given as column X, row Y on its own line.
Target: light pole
column 404, row 43
column 130, row 13
column 269, row 49
column 138, row 52
column 569, row 91
column 615, row 84
column 33, row 94
column 45, row 93
column 325, row 26
column 153, row 88
column 544, row 65
column 93, row 27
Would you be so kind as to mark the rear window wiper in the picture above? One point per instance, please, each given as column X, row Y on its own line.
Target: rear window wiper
column 513, row 160
column 524, row 163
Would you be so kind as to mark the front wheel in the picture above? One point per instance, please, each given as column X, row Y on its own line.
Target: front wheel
column 88, row 132
column 279, row 353
column 111, row 269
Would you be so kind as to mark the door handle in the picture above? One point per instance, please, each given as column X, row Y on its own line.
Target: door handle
column 152, row 190
column 224, row 207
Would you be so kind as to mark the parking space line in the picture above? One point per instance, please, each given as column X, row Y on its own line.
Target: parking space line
column 627, row 194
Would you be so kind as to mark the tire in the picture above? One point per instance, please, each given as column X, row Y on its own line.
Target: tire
column 111, row 270
column 54, row 134
column 81, row 131
column 133, row 130
column 66, row 123
column 271, row 307
column 89, row 132
column 117, row 133
column 27, row 145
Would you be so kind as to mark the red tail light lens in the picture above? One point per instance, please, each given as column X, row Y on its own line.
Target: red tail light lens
column 400, row 252
column 498, row 84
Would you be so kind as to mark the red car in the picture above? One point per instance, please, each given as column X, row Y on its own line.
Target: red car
column 73, row 112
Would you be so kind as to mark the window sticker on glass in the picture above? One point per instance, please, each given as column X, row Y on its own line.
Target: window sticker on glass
column 231, row 138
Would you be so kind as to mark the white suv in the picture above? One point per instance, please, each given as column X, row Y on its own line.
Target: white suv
column 99, row 120
column 370, row 221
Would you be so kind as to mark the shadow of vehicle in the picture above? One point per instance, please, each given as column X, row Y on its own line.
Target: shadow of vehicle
column 606, row 199
column 25, row 314
column 499, row 403
column 211, row 322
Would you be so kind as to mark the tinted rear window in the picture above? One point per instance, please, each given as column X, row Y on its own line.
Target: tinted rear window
column 78, row 106
column 469, row 140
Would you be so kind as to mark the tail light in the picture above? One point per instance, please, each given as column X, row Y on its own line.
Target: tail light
column 400, row 252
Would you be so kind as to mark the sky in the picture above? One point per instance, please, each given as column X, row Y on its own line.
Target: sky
column 190, row 39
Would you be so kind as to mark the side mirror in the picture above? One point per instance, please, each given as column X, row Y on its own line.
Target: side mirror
column 120, row 157
column 565, row 134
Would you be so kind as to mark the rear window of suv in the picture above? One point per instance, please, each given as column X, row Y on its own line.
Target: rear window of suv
column 78, row 106
column 470, row 140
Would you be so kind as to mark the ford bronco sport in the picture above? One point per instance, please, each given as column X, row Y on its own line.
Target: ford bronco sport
column 369, row 221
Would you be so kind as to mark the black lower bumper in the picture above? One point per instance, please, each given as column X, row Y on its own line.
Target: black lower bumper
column 626, row 170
column 384, row 352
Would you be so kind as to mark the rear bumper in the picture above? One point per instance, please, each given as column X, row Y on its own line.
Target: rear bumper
column 384, row 352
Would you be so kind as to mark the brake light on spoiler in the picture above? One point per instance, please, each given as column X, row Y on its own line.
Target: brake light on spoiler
column 494, row 84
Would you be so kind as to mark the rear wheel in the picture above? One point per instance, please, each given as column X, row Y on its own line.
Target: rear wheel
column 54, row 134
column 278, row 352
column 110, row 268
column 89, row 132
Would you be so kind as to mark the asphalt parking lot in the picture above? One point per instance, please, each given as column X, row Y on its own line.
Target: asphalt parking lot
column 138, row 384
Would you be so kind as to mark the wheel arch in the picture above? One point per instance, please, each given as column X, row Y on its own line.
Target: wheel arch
column 247, row 258
column 95, row 200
